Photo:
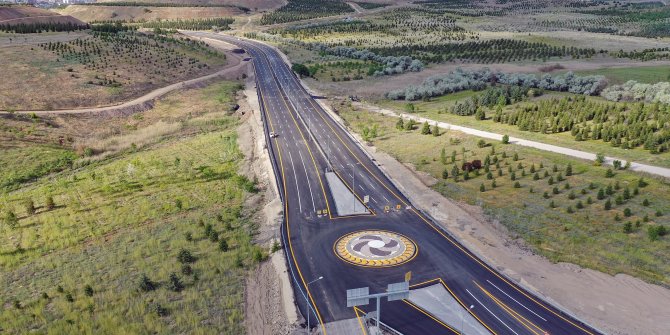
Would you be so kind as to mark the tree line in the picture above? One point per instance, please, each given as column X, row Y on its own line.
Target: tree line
column 460, row 80
column 40, row 27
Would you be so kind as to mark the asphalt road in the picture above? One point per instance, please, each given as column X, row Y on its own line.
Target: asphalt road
column 309, row 141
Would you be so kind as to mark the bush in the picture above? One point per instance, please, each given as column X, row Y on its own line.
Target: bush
column 186, row 270
column 30, row 206
column 11, row 220
column 88, row 291
column 505, row 139
column 174, row 283
column 300, row 69
column 185, row 256
column 49, row 203
column 223, row 245
column 146, row 284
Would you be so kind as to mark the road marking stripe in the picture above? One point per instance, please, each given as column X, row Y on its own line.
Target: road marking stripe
column 522, row 305
column 495, row 316
column 309, row 185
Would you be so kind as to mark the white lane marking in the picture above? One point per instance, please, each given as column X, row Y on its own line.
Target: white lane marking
column 522, row 305
column 296, row 180
column 308, row 183
column 385, row 198
column 373, row 199
column 495, row 316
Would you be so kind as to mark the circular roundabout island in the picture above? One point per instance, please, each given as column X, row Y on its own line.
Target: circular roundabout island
column 375, row 248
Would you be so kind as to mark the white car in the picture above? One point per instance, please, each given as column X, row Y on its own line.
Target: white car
column 273, row 134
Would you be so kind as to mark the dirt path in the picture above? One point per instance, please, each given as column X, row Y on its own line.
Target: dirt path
column 655, row 170
column 233, row 66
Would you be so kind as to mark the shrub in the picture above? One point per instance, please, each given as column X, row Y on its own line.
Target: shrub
column 223, row 245
column 11, row 220
column 609, row 173
column 517, row 185
column 482, row 188
column 645, row 202
column 505, row 139
column 627, row 212
column 88, row 290
column 49, row 203
column 69, row 297
column 30, row 206
column 627, row 228
column 174, row 283
column 146, row 284
column 184, row 256
column 186, row 270
column 608, row 205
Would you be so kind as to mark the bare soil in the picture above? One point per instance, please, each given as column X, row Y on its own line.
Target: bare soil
column 137, row 13
column 618, row 304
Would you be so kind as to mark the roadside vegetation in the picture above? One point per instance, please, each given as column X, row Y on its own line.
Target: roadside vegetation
column 568, row 210
column 155, row 238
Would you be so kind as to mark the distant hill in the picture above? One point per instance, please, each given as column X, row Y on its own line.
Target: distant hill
column 11, row 16
column 253, row 5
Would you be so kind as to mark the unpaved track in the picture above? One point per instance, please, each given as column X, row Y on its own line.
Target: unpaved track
column 655, row 170
column 234, row 63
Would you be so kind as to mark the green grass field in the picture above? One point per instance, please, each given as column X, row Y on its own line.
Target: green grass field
column 589, row 236
column 434, row 110
column 643, row 74
column 131, row 214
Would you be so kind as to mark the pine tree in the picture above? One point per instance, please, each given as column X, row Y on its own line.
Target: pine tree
column 425, row 130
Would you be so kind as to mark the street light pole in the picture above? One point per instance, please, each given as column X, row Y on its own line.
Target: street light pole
column 309, row 307
column 463, row 317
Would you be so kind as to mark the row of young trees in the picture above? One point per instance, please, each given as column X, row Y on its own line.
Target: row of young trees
column 296, row 10
column 42, row 27
column 489, row 51
column 219, row 23
column 622, row 125
column 460, row 80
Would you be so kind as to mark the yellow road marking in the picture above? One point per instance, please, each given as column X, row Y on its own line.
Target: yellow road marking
column 288, row 227
column 512, row 312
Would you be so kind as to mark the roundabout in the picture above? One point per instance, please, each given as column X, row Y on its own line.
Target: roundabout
column 375, row 248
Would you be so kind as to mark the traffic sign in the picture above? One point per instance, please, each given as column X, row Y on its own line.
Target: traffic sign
column 358, row 296
column 398, row 291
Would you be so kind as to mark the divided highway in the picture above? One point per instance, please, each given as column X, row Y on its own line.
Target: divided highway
column 308, row 144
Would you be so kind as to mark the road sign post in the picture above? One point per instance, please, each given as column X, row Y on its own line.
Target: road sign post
column 362, row 296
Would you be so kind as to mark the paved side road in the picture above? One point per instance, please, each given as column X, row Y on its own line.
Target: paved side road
column 655, row 170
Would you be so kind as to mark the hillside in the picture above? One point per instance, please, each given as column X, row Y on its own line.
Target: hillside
column 15, row 15
column 147, row 13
